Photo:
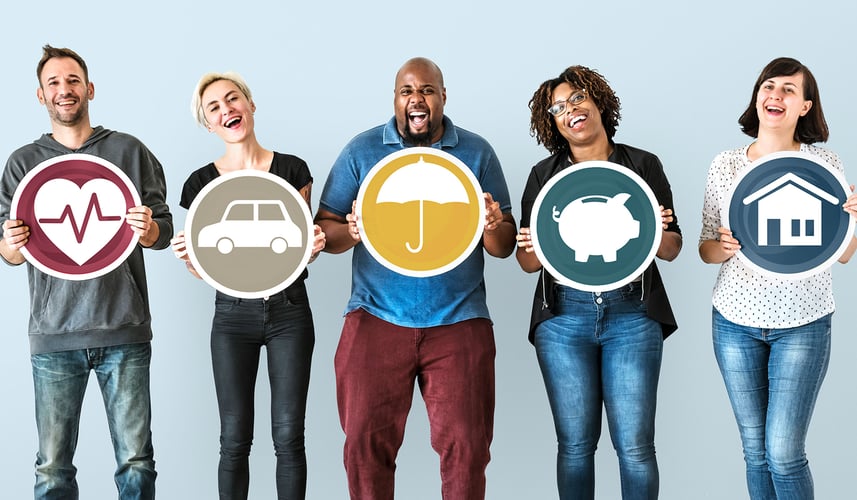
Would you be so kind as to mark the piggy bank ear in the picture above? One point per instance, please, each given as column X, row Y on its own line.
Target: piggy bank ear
column 619, row 199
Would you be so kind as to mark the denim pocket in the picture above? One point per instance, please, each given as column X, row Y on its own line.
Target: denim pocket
column 225, row 303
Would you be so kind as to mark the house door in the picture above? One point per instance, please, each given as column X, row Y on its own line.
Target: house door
column 773, row 232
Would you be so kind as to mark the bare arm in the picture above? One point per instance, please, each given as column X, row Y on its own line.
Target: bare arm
column 719, row 250
column 525, row 254
column 342, row 232
column 499, row 234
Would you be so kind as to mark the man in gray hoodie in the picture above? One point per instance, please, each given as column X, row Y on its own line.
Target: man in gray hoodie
column 100, row 324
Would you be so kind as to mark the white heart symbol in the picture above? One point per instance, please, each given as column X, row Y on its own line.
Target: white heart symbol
column 80, row 220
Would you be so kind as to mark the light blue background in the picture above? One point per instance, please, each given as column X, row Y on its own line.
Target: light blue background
column 323, row 71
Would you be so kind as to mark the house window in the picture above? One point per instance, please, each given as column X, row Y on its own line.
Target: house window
column 810, row 227
column 795, row 227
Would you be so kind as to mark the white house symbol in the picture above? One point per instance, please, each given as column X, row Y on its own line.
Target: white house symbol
column 789, row 212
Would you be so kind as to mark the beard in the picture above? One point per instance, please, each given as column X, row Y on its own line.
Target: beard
column 69, row 119
column 421, row 139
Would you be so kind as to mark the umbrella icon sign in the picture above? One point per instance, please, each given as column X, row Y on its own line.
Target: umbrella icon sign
column 422, row 182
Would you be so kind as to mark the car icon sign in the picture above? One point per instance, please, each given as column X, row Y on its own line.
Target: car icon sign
column 252, row 224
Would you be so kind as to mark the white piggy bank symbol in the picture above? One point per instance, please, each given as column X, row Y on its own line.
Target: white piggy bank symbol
column 597, row 225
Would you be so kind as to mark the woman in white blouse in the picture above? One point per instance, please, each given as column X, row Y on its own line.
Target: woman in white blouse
column 771, row 336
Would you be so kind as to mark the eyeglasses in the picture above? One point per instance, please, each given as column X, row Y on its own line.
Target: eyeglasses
column 559, row 107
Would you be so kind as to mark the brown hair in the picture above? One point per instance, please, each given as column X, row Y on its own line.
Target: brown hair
column 49, row 53
column 811, row 127
column 543, row 125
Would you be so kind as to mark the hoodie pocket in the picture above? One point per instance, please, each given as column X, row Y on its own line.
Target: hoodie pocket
column 107, row 302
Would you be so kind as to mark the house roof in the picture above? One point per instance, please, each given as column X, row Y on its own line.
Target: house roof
column 790, row 178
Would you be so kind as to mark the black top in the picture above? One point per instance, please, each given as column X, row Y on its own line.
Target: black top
column 647, row 166
column 291, row 168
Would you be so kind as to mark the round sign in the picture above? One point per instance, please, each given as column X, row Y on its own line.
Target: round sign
column 249, row 234
column 786, row 211
column 596, row 226
column 75, row 206
column 421, row 211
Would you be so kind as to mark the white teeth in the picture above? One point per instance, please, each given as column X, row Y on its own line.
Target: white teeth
column 576, row 119
column 417, row 114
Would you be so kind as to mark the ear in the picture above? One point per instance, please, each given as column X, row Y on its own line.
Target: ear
column 807, row 105
column 252, row 106
column 90, row 90
column 443, row 93
column 40, row 95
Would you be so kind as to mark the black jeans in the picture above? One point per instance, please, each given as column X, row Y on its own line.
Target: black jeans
column 283, row 324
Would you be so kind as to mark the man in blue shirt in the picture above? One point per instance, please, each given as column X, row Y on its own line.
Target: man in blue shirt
column 400, row 329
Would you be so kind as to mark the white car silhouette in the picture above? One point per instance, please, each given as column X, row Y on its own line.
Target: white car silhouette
column 252, row 223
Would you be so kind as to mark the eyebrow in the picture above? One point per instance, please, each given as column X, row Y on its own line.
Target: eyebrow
column 57, row 77
column 409, row 86
column 771, row 80
column 209, row 103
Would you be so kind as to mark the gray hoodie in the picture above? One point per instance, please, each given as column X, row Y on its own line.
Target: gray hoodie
column 112, row 309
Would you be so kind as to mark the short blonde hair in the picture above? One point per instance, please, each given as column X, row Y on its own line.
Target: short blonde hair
column 206, row 80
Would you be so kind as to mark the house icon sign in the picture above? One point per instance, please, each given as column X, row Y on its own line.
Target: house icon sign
column 789, row 212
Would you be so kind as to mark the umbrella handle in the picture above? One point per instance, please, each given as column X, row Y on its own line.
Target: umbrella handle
column 420, row 246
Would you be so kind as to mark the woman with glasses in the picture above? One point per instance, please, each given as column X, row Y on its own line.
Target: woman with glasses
column 597, row 350
column 282, row 323
column 773, row 343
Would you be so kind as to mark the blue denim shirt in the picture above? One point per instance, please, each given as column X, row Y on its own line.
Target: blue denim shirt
column 458, row 294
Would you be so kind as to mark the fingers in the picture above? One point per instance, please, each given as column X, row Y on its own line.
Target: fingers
column 139, row 218
column 728, row 243
column 666, row 217
column 850, row 205
column 493, row 214
column 319, row 241
column 351, row 218
column 15, row 233
column 525, row 240
column 179, row 246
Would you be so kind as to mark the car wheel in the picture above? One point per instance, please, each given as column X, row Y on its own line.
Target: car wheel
column 225, row 245
column 279, row 245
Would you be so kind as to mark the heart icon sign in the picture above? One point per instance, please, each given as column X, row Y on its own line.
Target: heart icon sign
column 80, row 221
column 75, row 207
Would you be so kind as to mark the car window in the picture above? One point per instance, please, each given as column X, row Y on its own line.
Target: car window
column 270, row 211
column 240, row 212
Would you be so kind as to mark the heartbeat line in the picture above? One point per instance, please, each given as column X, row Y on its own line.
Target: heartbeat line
column 67, row 214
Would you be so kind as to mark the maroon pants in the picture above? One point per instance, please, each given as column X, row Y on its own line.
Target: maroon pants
column 377, row 364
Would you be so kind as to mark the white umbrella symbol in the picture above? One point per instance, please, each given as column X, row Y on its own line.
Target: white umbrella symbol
column 422, row 182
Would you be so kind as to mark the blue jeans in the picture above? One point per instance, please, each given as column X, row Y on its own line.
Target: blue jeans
column 602, row 349
column 773, row 377
column 60, row 380
column 241, row 327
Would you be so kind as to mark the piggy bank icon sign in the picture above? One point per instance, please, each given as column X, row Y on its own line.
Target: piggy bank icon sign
column 596, row 225
column 603, row 212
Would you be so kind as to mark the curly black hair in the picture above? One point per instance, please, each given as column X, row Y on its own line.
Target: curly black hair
column 543, row 124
